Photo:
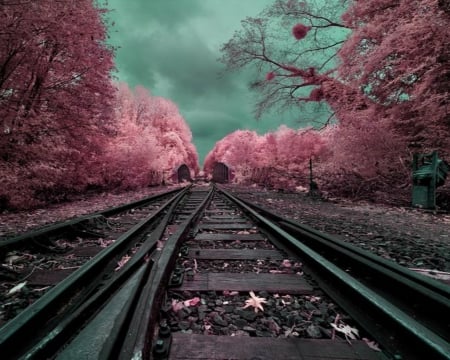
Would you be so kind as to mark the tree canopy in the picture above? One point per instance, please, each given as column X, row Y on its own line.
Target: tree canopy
column 66, row 127
column 381, row 66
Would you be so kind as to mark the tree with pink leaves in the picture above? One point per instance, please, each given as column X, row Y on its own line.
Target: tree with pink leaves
column 151, row 140
column 398, row 54
column 63, row 130
column 388, row 91
column 236, row 151
column 278, row 159
column 312, row 38
column 55, row 96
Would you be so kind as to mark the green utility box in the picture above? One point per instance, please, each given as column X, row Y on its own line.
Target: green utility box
column 429, row 172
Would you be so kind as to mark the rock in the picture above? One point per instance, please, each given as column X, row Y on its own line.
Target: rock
column 240, row 323
column 310, row 306
column 249, row 330
column 263, row 333
column 247, row 315
column 229, row 308
column 218, row 320
column 224, row 331
column 197, row 328
column 314, row 332
column 184, row 325
column 241, row 333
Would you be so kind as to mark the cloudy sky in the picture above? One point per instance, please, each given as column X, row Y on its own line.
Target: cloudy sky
column 171, row 48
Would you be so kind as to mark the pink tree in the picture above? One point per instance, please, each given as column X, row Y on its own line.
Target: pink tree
column 398, row 54
column 55, row 96
column 275, row 159
column 391, row 83
column 311, row 37
column 152, row 139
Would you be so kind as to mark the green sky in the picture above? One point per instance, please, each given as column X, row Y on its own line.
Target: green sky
column 171, row 47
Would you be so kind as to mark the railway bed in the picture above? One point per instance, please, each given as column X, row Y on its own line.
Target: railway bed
column 214, row 279
column 44, row 257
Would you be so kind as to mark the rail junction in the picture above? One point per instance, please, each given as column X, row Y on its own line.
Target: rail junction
column 205, row 275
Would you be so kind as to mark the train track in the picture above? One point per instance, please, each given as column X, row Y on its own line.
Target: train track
column 215, row 277
column 33, row 262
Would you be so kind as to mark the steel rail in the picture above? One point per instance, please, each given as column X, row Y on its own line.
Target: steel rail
column 417, row 341
column 427, row 298
column 440, row 291
column 138, row 344
column 50, row 230
column 87, row 321
column 41, row 319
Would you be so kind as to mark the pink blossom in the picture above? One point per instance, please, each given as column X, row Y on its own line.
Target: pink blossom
column 299, row 31
column 270, row 75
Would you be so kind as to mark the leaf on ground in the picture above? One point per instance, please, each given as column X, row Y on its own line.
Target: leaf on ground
column 177, row 305
column 230, row 293
column 17, row 288
column 347, row 330
column 435, row 274
column 191, row 302
column 372, row 344
column 255, row 302
column 122, row 262
column 313, row 298
column 276, row 271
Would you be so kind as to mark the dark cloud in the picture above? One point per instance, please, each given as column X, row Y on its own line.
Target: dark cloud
column 166, row 13
column 171, row 47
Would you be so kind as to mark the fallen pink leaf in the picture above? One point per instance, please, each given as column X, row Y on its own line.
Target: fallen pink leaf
column 192, row 302
column 177, row 305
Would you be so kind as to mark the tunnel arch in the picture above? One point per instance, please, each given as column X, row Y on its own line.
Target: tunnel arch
column 183, row 173
column 221, row 173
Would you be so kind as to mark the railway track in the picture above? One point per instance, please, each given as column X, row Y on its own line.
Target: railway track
column 216, row 278
column 39, row 259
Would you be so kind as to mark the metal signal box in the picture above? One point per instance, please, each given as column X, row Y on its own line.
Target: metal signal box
column 429, row 172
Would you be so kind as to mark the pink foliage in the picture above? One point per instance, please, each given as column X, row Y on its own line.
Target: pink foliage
column 316, row 94
column 152, row 140
column 388, row 92
column 63, row 130
column 300, row 31
column 401, row 57
column 275, row 159
column 56, row 97
column 270, row 75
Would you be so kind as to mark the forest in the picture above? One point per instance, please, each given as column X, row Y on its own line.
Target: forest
column 66, row 126
column 382, row 70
